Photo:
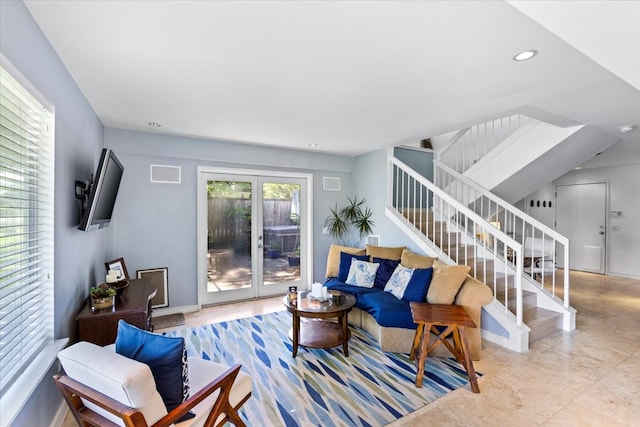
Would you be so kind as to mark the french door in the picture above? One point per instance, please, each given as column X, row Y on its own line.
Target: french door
column 252, row 234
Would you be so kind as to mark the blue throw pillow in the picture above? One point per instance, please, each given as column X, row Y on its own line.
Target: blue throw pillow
column 345, row 264
column 386, row 269
column 165, row 356
column 418, row 286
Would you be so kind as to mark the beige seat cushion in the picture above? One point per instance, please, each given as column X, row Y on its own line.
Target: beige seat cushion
column 411, row 260
column 201, row 373
column 130, row 382
column 333, row 259
column 384, row 252
column 446, row 282
column 125, row 380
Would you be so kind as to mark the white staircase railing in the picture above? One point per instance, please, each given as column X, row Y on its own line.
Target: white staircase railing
column 471, row 144
column 543, row 248
column 455, row 232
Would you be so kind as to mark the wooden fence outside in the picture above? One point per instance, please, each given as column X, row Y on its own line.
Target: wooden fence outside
column 229, row 220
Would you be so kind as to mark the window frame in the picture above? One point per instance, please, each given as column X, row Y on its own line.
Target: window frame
column 27, row 186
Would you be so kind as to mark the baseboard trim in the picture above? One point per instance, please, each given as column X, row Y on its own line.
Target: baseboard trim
column 157, row 312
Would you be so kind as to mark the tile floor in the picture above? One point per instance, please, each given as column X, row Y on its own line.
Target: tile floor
column 588, row 377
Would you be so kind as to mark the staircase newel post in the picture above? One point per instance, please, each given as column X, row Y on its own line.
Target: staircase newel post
column 519, row 271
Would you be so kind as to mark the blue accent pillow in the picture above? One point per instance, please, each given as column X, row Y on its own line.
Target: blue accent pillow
column 418, row 286
column 166, row 356
column 386, row 269
column 345, row 264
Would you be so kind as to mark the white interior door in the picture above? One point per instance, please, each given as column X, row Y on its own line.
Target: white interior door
column 581, row 216
column 252, row 235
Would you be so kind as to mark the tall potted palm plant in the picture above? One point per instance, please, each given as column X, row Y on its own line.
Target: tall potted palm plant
column 356, row 215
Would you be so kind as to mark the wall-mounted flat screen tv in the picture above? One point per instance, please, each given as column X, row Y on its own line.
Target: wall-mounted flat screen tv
column 102, row 197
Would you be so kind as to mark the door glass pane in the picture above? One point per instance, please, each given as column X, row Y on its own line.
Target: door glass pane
column 281, row 221
column 228, row 235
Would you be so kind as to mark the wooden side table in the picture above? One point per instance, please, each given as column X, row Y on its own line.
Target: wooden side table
column 455, row 319
column 133, row 306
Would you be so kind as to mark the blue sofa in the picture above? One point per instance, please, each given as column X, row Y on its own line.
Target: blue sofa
column 388, row 318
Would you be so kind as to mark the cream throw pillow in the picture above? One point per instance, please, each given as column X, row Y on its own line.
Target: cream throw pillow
column 398, row 281
column 333, row 259
column 362, row 273
column 446, row 282
column 411, row 260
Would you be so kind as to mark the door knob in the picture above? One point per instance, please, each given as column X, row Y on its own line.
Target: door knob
column 259, row 246
column 601, row 232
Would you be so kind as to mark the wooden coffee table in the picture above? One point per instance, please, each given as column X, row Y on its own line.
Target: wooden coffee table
column 319, row 332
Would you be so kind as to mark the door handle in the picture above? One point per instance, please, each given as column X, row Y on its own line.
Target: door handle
column 260, row 246
column 601, row 233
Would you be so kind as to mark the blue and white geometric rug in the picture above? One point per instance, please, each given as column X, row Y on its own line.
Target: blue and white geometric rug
column 320, row 387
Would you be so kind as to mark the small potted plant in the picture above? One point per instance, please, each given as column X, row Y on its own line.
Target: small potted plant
column 274, row 251
column 294, row 260
column 102, row 297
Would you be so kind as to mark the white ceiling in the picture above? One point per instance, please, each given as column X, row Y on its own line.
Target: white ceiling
column 348, row 76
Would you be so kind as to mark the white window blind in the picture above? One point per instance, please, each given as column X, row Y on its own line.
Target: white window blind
column 26, row 226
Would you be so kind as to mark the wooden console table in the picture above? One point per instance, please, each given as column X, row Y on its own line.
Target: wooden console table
column 133, row 306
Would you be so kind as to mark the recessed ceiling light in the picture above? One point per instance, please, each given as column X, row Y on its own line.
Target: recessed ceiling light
column 154, row 124
column 527, row 54
column 313, row 145
column 627, row 128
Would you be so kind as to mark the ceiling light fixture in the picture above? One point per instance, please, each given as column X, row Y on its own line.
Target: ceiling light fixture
column 154, row 124
column 313, row 145
column 627, row 128
column 527, row 54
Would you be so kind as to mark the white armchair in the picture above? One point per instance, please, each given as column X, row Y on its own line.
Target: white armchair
column 104, row 388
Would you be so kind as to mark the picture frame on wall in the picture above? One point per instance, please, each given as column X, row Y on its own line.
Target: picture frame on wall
column 159, row 278
column 118, row 265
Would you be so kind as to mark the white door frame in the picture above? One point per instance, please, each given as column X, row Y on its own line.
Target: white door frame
column 201, row 220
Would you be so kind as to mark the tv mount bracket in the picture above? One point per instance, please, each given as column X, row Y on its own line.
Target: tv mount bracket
column 83, row 189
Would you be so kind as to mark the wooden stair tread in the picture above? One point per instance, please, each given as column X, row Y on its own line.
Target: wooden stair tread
column 512, row 294
column 542, row 322
column 538, row 315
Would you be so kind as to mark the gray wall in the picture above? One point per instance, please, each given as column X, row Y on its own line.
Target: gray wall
column 154, row 225
column 623, row 233
column 369, row 181
column 419, row 160
column 79, row 138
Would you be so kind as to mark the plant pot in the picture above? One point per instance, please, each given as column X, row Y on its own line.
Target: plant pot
column 294, row 261
column 102, row 303
column 273, row 254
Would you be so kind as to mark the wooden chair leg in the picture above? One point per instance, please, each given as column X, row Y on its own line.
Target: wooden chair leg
column 235, row 418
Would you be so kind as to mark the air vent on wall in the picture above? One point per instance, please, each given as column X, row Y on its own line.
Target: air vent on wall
column 330, row 183
column 163, row 174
